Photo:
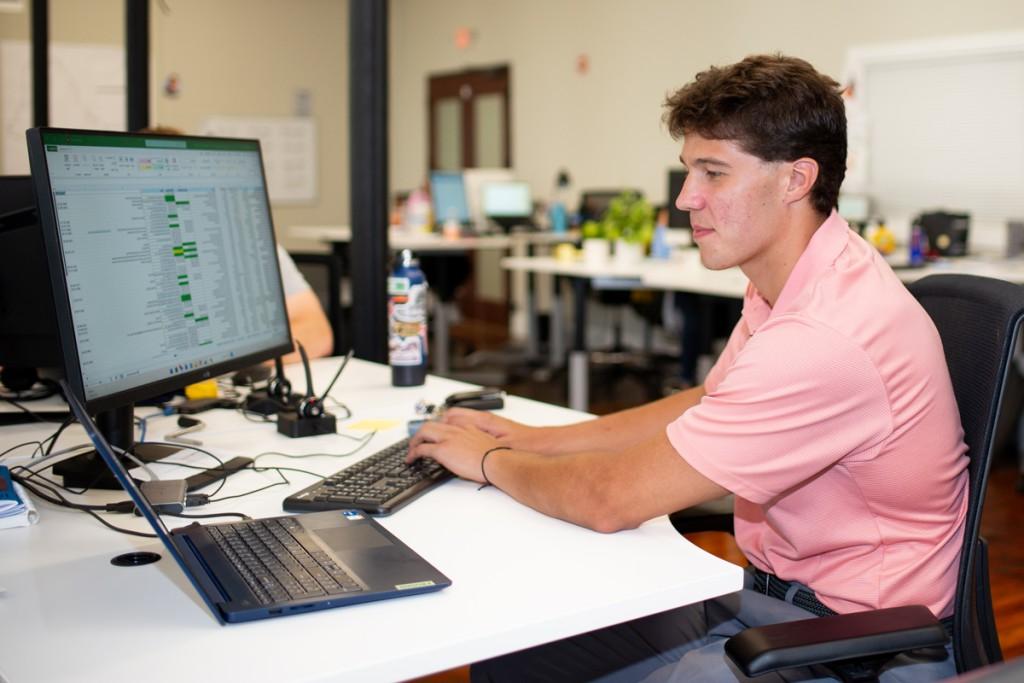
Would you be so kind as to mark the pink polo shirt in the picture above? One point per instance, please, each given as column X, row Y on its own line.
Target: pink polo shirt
column 832, row 418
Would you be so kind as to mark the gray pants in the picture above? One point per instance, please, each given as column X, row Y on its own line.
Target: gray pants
column 684, row 644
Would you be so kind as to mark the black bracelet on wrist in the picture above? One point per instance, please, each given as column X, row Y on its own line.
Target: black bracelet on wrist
column 483, row 472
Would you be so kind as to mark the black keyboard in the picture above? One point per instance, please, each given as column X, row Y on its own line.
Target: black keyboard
column 277, row 565
column 379, row 485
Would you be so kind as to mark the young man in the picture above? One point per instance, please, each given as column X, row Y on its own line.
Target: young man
column 830, row 414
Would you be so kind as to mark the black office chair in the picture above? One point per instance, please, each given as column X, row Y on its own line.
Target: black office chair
column 323, row 271
column 978, row 319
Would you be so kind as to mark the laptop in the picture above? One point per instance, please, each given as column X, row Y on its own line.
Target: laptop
column 323, row 559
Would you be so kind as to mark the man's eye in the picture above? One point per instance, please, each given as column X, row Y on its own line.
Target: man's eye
column 714, row 174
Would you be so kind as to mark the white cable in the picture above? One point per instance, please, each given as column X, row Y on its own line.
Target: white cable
column 151, row 473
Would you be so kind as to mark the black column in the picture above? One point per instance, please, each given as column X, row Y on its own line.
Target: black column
column 136, row 54
column 368, row 175
column 40, row 63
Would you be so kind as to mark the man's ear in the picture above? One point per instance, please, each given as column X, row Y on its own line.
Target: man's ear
column 802, row 176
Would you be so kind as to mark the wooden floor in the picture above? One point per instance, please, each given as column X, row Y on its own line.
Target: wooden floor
column 1002, row 524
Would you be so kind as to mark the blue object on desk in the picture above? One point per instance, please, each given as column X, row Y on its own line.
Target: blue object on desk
column 559, row 220
column 7, row 492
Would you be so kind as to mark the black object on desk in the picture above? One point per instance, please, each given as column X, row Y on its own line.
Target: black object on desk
column 946, row 232
column 378, row 485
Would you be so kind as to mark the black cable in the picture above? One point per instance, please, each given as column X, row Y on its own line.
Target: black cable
column 197, row 449
column 249, row 415
column 363, row 441
column 56, row 435
column 59, row 500
column 249, row 493
column 290, row 469
column 38, row 446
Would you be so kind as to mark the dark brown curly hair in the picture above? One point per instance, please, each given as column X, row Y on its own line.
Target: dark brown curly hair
column 775, row 107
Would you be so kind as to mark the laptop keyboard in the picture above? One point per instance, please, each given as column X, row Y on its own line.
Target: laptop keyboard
column 379, row 484
column 272, row 559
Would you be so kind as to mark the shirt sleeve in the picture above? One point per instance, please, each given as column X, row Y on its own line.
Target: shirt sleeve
column 797, row 398
column 291, row 278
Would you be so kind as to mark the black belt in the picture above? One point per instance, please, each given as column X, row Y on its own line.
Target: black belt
column 804, row 598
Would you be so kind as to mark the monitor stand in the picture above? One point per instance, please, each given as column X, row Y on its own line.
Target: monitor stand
column 88, row 471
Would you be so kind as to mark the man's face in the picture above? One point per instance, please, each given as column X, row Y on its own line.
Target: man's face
column 735, row 203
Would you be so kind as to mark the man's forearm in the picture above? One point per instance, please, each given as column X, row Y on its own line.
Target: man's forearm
column 616, row 431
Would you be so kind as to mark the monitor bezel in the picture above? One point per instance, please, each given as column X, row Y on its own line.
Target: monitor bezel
column 62, row 302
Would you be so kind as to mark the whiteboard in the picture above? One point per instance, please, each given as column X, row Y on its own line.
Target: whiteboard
column 940, row 125
column 289, row 152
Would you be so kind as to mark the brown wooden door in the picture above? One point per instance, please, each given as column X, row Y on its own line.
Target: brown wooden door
column 468, row 118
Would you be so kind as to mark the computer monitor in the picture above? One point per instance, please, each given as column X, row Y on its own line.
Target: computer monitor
column 448, row 194
column 474, row 180
column 161, row 255
column 594, row 203
column 28, row 326
column 507, row 203
column 677, row 218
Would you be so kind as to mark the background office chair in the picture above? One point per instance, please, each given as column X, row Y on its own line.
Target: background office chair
column 323, row 272
column 978, row 320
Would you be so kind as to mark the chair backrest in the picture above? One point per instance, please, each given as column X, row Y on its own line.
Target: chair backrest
column 978, row 320
column 594, row 203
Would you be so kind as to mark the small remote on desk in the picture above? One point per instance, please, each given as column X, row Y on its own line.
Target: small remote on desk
column 201, row 479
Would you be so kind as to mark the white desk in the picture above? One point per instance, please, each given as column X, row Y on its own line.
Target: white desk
column 519, row 578
column 685, row 273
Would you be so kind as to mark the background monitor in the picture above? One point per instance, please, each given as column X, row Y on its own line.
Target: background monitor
column 28, row 327
column 594, row 203
column 677, row 218
column 507, row 203
column 448, row 195
column 474, row 180
column 162, row 259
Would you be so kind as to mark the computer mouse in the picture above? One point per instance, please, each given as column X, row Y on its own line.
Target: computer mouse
column 251, row 375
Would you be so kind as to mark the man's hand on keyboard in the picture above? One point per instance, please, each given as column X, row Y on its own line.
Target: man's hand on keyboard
column 511, row 433
column 458, row 448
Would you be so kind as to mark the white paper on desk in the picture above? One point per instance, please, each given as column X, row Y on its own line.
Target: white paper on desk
column 19, row 515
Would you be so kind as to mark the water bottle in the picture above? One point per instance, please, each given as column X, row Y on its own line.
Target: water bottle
column 407, row 322
column 660, row 248
column 917, row 248
column 558, row 217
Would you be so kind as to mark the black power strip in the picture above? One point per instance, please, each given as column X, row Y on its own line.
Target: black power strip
column 207, row 477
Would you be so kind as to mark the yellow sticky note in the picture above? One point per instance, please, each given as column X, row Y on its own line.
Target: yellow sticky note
column 373, row 425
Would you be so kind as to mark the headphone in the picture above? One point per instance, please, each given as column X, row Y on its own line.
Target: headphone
column 279, row 387
column 309, row 405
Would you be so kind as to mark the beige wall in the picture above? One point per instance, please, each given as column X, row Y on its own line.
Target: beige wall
column 236, row 58
column 250, row 57
column 605, row 126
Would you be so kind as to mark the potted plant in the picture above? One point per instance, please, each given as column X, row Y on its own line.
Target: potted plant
column 597, row 247
column 628, row 223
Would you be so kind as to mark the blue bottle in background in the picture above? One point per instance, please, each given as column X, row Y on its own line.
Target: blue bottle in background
column 407, row 322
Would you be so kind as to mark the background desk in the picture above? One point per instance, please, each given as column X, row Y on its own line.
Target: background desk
column 519, row 578
column 684, row 273
column 520, row 243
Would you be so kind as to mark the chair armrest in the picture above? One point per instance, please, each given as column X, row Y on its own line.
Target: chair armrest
column 865, row 635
